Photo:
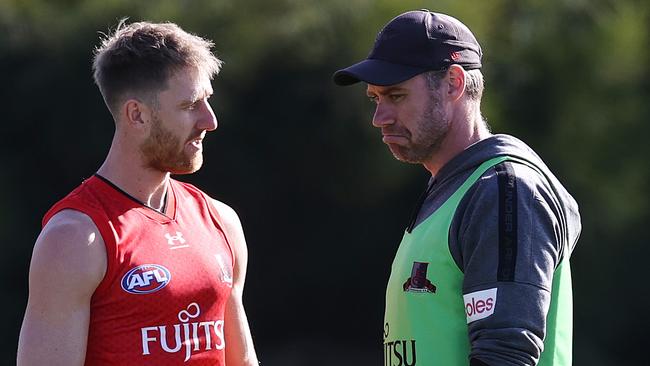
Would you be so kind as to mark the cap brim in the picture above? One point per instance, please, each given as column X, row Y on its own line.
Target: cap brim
column 376, row 72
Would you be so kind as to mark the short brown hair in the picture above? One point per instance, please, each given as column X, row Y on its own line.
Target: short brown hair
column 138, row 59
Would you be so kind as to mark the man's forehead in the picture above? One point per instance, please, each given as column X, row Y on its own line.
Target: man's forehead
column 190, row 84
column 201, row 89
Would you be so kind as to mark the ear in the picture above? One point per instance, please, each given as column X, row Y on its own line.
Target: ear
column 136, row 114
column 456, row 81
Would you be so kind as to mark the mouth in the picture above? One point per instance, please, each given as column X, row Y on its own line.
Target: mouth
column 393, row 135
column 196, row 142
column 394, row 139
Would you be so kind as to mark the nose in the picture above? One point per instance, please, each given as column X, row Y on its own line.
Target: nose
column 207, row 120
column 384, row 115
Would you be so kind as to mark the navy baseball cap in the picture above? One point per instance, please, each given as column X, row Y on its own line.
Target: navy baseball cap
column 412, row 43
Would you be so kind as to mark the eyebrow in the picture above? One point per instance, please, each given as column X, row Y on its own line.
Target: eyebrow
column 385, row 90
column 196, row 96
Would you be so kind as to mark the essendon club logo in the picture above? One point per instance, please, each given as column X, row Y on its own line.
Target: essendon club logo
column 418, row 281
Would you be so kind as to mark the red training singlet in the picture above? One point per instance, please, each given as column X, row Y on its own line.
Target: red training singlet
column 167, row 281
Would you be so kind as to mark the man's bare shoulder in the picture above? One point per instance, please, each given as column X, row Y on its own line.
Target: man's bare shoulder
column 70, row 248
column 69, row 219
column 68, row 263
column 227, row 214
column 234, row 231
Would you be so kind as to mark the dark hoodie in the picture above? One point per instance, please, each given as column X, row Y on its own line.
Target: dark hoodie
column 547, row 222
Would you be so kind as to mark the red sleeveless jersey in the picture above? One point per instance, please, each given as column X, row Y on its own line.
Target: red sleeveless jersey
column 168, row 277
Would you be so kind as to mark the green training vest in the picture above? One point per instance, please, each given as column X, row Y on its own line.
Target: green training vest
column 426, row 320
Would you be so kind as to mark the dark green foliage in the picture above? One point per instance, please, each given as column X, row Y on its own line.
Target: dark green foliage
column 322, row 201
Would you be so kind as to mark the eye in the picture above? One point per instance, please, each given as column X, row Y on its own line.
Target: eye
column 396, row 97
column 373, row 98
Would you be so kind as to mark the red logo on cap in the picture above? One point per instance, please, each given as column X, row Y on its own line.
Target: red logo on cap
column 455, row 56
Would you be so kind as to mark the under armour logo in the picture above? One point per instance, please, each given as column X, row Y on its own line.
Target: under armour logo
column 176, row 241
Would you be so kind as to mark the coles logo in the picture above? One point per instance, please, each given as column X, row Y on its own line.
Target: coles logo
column 480, row 304
column 146, row 279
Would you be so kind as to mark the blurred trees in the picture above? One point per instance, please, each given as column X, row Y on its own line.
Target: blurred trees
column 321, row 199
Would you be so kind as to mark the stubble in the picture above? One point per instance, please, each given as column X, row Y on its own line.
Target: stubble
column 164, row 151
column 428, row 134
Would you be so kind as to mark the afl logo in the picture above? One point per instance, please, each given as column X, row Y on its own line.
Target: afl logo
column 146, row 279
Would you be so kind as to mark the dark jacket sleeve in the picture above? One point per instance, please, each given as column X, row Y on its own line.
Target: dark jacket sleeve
column 506, row 238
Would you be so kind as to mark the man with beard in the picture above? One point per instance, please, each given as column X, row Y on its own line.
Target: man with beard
column 482, row 273
column 134, row 267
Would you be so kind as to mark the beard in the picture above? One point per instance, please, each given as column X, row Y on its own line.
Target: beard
column 427, row 136
column 165, row 152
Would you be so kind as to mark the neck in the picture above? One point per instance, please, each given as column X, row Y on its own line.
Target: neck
column 462, row 133
column 125, row 169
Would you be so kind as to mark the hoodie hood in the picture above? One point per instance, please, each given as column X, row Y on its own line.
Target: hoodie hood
column 491, row 147
column 454, row 173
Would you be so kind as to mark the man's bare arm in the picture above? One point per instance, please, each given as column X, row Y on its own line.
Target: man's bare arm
column 68, row 263
column 239, row 342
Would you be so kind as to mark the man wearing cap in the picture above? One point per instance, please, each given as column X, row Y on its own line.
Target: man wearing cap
column 482, row 275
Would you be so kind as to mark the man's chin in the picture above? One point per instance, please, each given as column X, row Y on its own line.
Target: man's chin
column 403, row 154
column 189, row 168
